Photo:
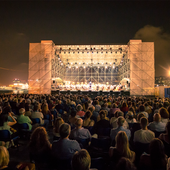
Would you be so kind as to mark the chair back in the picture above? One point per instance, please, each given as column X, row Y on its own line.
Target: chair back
column 23, row 126
column 83, row 142
column 5, row 135
column 104, row 131
column 101, row 143
column 47, row 117
column 158, row 133
column 36, row 120
column 98, row 163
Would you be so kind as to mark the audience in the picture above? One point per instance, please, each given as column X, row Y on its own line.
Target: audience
column 157, row 159
column 151, row 113
column 79, row 132
column 157, row 125
column 120, row 127
column 81, row 160
column 121, row 148
column 64, row 148
column 143, row 135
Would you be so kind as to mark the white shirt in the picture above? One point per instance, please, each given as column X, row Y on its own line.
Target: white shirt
column 114, row 124
column 38, row 115
column 143, row 136
column 157, row 126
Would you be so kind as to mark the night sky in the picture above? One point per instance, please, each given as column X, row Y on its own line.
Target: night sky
column 80, row 22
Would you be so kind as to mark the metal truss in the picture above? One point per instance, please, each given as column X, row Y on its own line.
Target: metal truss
column 100, row 64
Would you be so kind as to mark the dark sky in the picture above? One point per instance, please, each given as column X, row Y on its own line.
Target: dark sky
column 79, row 22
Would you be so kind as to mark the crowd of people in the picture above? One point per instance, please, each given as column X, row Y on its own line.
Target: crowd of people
column 135, row 131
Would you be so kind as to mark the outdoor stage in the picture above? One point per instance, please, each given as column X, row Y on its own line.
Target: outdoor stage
column 92, row 67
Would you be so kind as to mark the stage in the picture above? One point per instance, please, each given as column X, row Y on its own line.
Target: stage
column 93, row 94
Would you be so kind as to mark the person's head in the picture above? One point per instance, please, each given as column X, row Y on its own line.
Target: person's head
column 36, row 107
column 125, row 164
column 143, row 122
column 22, row 111
column 73, row 113
column 114, row 105
column 58, row 122
column 140, row 115
column 64, row 130
column 45, row 108
column 79, row 123
column 122, row 143
column 88, row 114
column 168, row 129
column 3, row 118
column 164, row 113
column 0, row 109
column 124, row 104
column 4, row 157
column 120, row 120
column 119, row 113
column 157, row 154
column 157, row 117
column 27, row 107
column 7, row 110
column 81, row 160
column 102, row 114
column 92, row 108
column 39, row 138
column 130, row 115
column 141, row 108
column 79, row 107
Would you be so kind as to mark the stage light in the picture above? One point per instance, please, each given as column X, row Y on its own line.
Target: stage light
column 110, row 63
column 113, row 66
column 98, row 66
column 76, row 66
column 71, row 63
column 79, row 63
column 102, row 63
column 84, row 67
column 105, row 66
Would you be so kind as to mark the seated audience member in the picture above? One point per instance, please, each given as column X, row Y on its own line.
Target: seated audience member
column 64, row 148
column 24, row 119
column 46, row 112
column 87, row 121
column 37, row 114
column 58, row 122
column 97, row 106
column 142, row 110
column 157, row 125
column 103, row 122
column 157, row 159
column 94, row 113
column 4, row 124
column 164, row 114
column 4, row 161
column 72, row 118
column 28, row 111
column 125, row 164
column 81, row 160
column 120, row 127
column 113, row 120
column 121, row 148
column 143, row 135
column 113, row 109
column 124, row 107
column 80, row 113
column 40, row 147
column 79, row 132
column 165, row 137
column 130, row 118
column 59, row 106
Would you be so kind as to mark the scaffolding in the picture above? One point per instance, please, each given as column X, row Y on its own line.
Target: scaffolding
column 50, row 64
column 39, row 77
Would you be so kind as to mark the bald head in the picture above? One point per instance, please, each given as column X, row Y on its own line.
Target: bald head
column 79, row 123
